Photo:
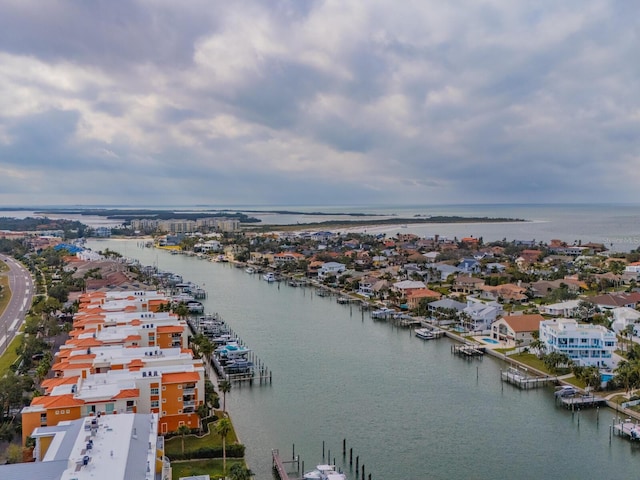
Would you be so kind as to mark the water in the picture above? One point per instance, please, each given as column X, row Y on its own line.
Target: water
column 408, row 408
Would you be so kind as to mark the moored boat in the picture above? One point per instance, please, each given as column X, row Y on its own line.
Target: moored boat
column 425, row 333
column 269, row 277
column 324, row 472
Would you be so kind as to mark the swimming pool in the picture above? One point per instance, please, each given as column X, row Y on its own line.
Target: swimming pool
column 489, row 340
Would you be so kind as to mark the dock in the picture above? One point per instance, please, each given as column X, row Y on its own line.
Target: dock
column 468, row 350
column 278, row 466
column 521, row 379
column 581, row 401
column 626, row 428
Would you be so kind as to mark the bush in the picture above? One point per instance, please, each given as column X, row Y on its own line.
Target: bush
column 233, row 451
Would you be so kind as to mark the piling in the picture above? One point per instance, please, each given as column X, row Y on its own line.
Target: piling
column 351, row 456
column 344, row 446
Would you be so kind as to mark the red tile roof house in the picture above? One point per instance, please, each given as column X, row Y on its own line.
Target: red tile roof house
column 516, row 329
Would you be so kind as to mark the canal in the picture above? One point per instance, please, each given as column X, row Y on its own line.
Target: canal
column 409, row 409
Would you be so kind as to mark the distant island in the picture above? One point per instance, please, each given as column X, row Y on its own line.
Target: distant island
column 389, row 221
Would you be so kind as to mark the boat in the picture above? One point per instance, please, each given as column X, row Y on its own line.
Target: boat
column 231, row 351
column 343, row 300
column 425, row 333
column 269, row 277
column 324, row 472
column 250, row 270
column 195, row 307
column 382, row 313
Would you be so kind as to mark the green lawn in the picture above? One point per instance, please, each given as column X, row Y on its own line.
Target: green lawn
column 5, row 293
column 9, row 357
column 201, row 467
column 531, row 360
column 192, row 442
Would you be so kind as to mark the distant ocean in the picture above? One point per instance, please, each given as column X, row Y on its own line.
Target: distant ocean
column 615, row 225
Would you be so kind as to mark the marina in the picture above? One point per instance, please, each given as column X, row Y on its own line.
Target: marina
column 391, row 377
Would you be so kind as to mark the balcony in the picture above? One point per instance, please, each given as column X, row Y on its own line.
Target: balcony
column 189, row 391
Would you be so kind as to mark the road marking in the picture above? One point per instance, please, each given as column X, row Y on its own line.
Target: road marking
column 13, row 325
column 3, row 339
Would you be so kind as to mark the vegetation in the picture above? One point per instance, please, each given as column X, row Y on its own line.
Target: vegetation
column 213, row 467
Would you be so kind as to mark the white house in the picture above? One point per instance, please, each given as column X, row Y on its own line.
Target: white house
column 331, row 268
column 623, row 316
column 585, row 344
column 563, row 309
column 480, row 315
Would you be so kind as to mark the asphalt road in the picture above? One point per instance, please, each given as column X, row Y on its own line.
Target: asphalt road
column 22, row 292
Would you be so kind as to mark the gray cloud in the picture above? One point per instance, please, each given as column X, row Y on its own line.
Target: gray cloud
column 318, row 102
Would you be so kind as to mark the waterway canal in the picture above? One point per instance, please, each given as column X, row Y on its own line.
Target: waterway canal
column 408, row 408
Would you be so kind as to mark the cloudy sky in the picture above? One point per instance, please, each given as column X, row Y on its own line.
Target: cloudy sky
column 318, row 102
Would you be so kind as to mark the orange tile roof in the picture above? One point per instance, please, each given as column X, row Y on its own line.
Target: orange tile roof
column 181, row 377
column 170, row 329
column 128, row 393
column 50, row 383
column 57, row 401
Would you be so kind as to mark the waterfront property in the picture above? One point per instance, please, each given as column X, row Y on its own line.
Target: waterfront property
column 97, row 448
column 516, row 329
column 585, row 344
column 122, row 357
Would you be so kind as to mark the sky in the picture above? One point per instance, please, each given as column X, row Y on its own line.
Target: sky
column 309, row 102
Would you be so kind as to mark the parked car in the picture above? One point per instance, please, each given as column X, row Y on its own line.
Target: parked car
column 566, row 391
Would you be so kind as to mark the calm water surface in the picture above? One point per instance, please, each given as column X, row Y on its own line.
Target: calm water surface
column 408, row 408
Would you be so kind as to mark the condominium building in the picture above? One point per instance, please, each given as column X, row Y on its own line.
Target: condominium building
column 96, row 448
column 585, row 344
column 121, row 358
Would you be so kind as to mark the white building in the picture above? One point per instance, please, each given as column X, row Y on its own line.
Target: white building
column 585, row 344
column 331, row 268
column 96, row 448
column 480, row 315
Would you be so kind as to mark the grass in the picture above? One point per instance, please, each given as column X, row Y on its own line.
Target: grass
column 192, row 442
column 213, row 467
column 531, row 360
column 9, row 357
column 5, row 294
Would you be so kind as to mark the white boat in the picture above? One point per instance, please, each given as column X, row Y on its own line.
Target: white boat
column 425, row 333
column 269, row 277
column 383, row 313
column 249, row 270
column 324, row 472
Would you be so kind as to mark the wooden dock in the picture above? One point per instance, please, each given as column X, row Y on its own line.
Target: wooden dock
column 581, row 401
column 628, row 429
column 522, row 380
column 278, row 466
column 468, row 350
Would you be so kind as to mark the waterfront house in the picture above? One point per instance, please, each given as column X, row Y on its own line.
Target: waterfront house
column 329, row 269
column 415, row 296
column 478, row 315
column 516, row 329
column 405, row 287
column 447, row 304
column 585, row 344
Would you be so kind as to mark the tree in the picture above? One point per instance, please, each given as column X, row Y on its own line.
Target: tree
column 223, row 427
column 225, row 387
column 183, row 430
column 240, row 472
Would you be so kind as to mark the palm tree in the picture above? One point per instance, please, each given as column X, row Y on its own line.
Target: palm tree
column 223, row 427
column 225, row 387
column 182, row 431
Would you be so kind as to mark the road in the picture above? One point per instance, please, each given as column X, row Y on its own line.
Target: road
column 22, row 291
